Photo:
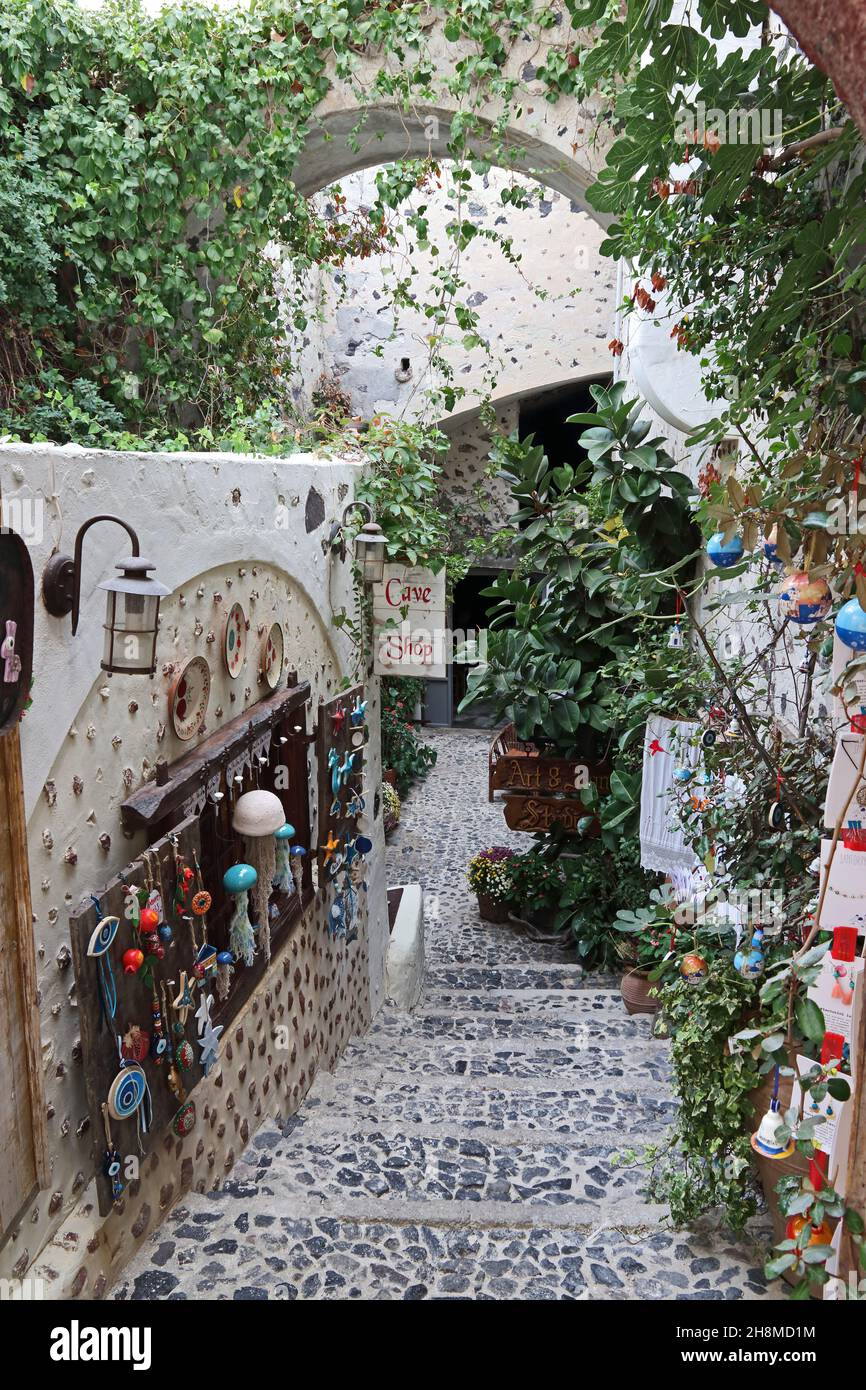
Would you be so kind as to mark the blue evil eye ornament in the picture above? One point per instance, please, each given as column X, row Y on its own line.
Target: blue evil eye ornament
column 724, row 553
column 128, row 1092
column 851, row 625
column 165, row 933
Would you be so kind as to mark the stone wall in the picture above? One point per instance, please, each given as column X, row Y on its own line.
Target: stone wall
column 536, row 342
column 220, row 529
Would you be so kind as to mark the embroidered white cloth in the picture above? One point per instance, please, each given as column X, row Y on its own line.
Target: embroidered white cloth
column 668, row 744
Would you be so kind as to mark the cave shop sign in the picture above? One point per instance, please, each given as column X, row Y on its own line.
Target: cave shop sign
column 410, row 637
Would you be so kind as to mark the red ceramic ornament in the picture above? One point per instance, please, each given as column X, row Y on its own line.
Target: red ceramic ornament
column 148, row 920
column 133, row 960
column 820, row 1235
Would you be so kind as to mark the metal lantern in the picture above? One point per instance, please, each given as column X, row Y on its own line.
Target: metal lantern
column 131, row 618
column 370, row 546
column 132, row 606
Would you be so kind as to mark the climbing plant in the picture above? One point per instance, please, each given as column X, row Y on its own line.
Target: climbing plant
column 146, row 178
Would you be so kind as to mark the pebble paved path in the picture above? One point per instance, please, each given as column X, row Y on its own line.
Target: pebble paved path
column 463, row 1151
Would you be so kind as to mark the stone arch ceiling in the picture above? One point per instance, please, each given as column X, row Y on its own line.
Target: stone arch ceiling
column 561, row 144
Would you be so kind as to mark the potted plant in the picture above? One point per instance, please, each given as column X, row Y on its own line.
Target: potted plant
column 536, row 886
column 648, row 932
column 489, row 876
column 390, row 807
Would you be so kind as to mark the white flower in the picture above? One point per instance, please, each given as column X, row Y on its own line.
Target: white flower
column 733, row 792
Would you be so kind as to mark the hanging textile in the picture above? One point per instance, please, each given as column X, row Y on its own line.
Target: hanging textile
column 669, row 745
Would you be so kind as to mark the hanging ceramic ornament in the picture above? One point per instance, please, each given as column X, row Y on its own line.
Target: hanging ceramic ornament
column 297, row 867
column 803, row 599
column 764, row 1140
column 158, row 1043
column 184, row 1001
column 238, row 880
column 133, row 960
column 675, row 637
column 693, row 969
column 724, row 553
column 225, row 971
column 112, row 1163
column 851, row 625
column 337, row 917
column 184, row 1121
column 173, row 1075
column 770, row 547
column 258, row 815
column 209, row 1035
column 128, row 1095
column 100, row 941
column 136, row 1044
column 282, row 871
column 750, row 964
column 359, row 713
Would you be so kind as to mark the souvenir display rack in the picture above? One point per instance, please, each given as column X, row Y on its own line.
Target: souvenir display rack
column 341, row 735
column 187, row 815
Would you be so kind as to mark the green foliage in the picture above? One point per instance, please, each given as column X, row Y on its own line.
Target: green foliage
column 706, row 1164
column 566, row 609
column 402, row 487
column 536, row 884
column 402, row 750
column 596, row 882
column 147, row 167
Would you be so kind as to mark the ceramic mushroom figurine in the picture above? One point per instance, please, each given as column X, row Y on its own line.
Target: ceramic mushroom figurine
column 258, row 815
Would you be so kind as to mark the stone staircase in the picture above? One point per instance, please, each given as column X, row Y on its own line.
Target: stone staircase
column 467, row 1150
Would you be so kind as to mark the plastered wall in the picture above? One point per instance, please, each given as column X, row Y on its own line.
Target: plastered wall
column 220, row 529
column 535, row 342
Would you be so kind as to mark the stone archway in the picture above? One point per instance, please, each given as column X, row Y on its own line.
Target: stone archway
column 561, row 144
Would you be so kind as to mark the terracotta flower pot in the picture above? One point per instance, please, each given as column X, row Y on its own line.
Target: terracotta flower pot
column 635, row 990
column 491, row 909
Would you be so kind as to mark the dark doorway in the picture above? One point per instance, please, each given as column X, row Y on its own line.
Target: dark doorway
column 544, row 416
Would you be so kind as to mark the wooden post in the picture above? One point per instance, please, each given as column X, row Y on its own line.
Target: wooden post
column 23, row 1144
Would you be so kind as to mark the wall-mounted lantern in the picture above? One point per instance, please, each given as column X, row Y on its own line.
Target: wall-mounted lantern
column 370, row 543
column 132, row 605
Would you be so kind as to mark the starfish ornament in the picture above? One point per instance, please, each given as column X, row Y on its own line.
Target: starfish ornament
column 184, row 1001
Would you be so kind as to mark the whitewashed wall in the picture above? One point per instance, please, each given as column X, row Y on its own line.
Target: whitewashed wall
column 220, row 529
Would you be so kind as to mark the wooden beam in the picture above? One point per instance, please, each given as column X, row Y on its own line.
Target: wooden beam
column 154, row 802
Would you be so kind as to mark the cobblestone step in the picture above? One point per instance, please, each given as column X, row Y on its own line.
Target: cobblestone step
column 268, row 1255
column 529, row 976
column 628, row 1115
column 517, row 1025
column 568, row 1063
column 392, row 1166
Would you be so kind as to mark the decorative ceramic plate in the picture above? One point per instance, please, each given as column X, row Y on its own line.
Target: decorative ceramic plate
column 189, row 696
column 235, row 640
column 272, row 657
